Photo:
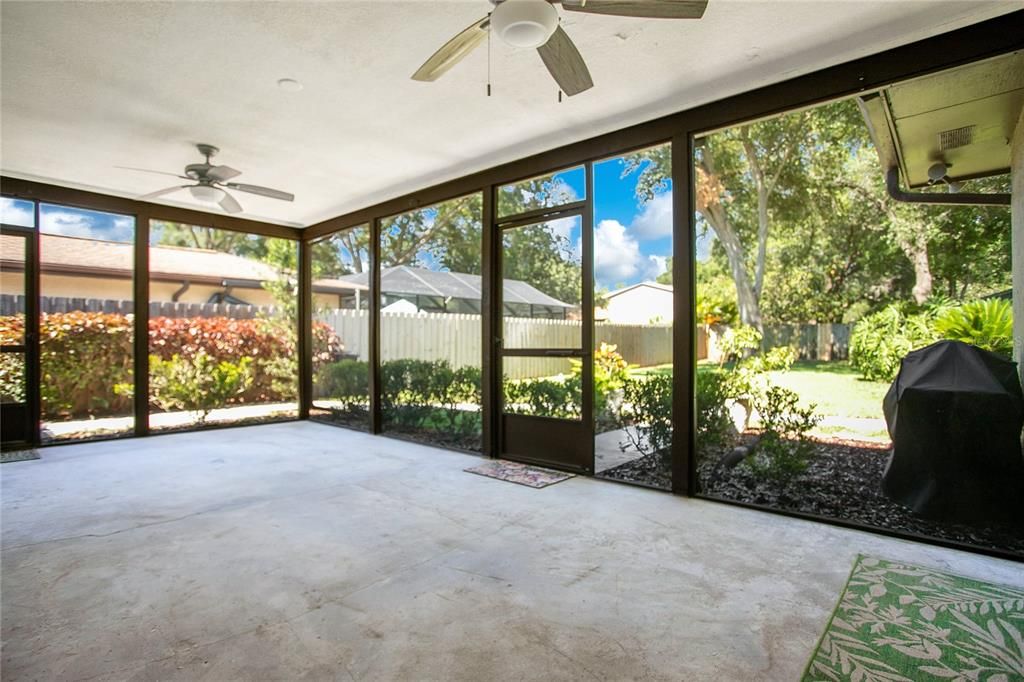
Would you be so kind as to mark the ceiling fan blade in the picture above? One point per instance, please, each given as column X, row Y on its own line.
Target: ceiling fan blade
column 452, row 52
column 262, row 191
column 650, row 9
column 229, row 204
column 147, row 170
column 222, row 173
column 565, row 63
column 161, row 192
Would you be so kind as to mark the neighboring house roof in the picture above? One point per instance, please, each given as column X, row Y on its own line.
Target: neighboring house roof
column 95, row 257
column 403, row 279
column 651, row 285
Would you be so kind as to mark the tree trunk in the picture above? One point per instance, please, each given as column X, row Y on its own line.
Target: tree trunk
column 917, row 251
column 746, row 298
column 708, row 200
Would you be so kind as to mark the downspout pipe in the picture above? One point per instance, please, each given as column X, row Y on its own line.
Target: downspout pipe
column 181, row 290
column 892, row 184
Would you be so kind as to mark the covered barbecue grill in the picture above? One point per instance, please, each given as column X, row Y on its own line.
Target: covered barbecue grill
column 955, row 413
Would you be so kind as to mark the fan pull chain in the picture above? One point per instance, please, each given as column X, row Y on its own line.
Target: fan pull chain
column 488, row 59
column 559, row 95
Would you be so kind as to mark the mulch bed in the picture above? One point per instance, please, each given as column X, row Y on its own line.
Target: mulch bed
column 353, row 419
column 843, row 481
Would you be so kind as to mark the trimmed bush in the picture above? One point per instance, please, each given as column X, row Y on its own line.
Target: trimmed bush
column 645, row 414
column 986, row 324
column 199, row 384
column 84, row 355
column 714, row 423
column 881, row 340
column 424, row 396
column 784, row 449
column 559, row 398
column 347, row 381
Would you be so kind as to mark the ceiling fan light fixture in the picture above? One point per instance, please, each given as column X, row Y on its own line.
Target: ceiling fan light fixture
column 524, row 23
column 206, row 193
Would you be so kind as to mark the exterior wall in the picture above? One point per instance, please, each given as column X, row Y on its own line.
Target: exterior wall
column 1017, row 213
column 83, row 287
column 200, row 293
column 12, row 282
column 640, row 306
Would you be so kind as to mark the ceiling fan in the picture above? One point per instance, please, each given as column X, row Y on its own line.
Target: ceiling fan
column 535, row 23
column 211, row 183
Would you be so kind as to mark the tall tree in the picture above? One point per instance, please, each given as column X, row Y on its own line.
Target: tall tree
column 738, row 172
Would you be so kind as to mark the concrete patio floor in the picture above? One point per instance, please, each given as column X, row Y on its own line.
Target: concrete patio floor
column 302, row 551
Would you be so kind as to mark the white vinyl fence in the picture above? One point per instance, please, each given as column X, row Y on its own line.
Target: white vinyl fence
column 457, row 339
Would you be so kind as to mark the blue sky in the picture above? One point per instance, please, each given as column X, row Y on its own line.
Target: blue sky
column 70, row 222
column 632, row 240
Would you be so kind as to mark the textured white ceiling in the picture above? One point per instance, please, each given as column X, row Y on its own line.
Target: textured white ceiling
column 87, row 86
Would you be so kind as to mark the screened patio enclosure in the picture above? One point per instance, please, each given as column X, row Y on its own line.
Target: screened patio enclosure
column 490, row 331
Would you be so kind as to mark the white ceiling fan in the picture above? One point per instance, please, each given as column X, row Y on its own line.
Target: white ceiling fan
column 535, row 23
column 211, row 183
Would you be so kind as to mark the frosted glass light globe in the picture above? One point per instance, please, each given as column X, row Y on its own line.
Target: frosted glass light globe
column 524, row 23
column 206, row 193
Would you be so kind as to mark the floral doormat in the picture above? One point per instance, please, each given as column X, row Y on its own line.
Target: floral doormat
column 902, row 622
column 523, row 474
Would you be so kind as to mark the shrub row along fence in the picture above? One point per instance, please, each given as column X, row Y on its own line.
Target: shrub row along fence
column 456, row 338
column 15, row 305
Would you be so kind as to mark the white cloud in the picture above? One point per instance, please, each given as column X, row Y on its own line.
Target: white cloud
column 563, row 227
column 617, row 255
column 656, row 265
column 66, row 223
column 73, row 223
column 655, row 220
column 16, row 213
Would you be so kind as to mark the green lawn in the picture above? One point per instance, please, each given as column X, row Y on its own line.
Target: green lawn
column 836, row 390
column 835, row 387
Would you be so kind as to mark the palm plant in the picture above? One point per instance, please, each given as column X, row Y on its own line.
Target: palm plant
column 987, row 324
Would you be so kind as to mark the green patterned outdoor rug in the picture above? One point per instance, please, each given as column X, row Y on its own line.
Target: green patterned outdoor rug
column 904, row 622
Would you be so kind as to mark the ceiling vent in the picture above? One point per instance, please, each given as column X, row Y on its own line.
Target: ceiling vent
column 957, row 137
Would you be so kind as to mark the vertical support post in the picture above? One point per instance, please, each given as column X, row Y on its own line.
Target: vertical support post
column 305, row 330
column 1017, row 238
column 140, row 301
column 490, row 316
column 684, row 350
column 587, row 313
column 374, row 293
column 33, row 375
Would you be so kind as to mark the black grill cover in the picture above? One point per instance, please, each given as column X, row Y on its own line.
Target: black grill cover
column 954, row 414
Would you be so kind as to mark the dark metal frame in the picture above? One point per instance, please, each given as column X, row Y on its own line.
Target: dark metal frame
column 980, row 41
column 546, row 436
column 29, row 346
column 143, row 213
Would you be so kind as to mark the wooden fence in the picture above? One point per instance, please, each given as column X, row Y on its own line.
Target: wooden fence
column 14, row 305
column 823, row 341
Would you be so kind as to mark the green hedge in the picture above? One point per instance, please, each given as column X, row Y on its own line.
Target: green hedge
column 85, row 355
column 881, row 340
